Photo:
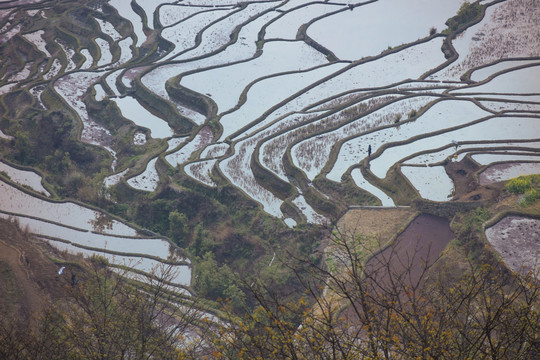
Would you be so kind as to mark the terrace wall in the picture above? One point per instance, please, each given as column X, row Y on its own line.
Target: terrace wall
column 445, row 209
column 158, row 105
column 277, row 186
column 191, row 99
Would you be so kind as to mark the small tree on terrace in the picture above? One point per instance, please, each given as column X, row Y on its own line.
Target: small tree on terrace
column 178, row 227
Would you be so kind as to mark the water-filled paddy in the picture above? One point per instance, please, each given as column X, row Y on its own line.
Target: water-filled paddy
column 182, row 155
column 319, row 116
column 66, row 213
column 486, row 159
column 105, row 52
column 432, row 182
column 138, row 263
column 507, row 171
column 153, row 247
column 276, row 57
column 24, row 177
column 353, row 34
column 362, row 183
column 131, row 109
column 148, row 180
column 440, row 116
column 200, row 171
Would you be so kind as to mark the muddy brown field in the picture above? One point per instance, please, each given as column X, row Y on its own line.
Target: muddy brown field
column 413, row 252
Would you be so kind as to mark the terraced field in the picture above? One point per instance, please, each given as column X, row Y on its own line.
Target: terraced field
column 307, row 107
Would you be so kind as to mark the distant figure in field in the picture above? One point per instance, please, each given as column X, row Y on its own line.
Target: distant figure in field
column 369, row 151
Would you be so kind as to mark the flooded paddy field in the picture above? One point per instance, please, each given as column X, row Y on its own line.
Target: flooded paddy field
column 303, row 107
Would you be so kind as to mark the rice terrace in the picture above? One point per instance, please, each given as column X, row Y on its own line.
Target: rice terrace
column 222, row 144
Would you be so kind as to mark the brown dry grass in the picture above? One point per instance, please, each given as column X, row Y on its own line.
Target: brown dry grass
column 33, row 276
column 382, row 223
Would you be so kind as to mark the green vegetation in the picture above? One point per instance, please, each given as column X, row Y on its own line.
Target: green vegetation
column 202, row 242
column 468, row 230
column 468, row 12
column 229, row 227
column 218, row 283
column 99, row 260
column 530, row 197
column 178, row 228
column 468, row 225
column 47, row 142
column 529, row 186
column 519, row 185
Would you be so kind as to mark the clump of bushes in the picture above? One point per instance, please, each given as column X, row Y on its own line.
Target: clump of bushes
column 467, row 13
column 529, row 197
column 99, row 260
column 526, row 185
column 518, row 185
column 471, row 223
column 467, row 228
column 218, row 282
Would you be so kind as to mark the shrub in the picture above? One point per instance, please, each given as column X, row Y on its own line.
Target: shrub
column 468, row 225
column 529, row 198
column 466, row 14
column 99, row 260
column 217, row 282
column 178, row 227
column 519, row 185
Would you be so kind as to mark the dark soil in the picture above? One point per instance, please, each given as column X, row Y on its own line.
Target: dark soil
column 467, row 188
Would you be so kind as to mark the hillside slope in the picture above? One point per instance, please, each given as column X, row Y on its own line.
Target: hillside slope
column 28, row 278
